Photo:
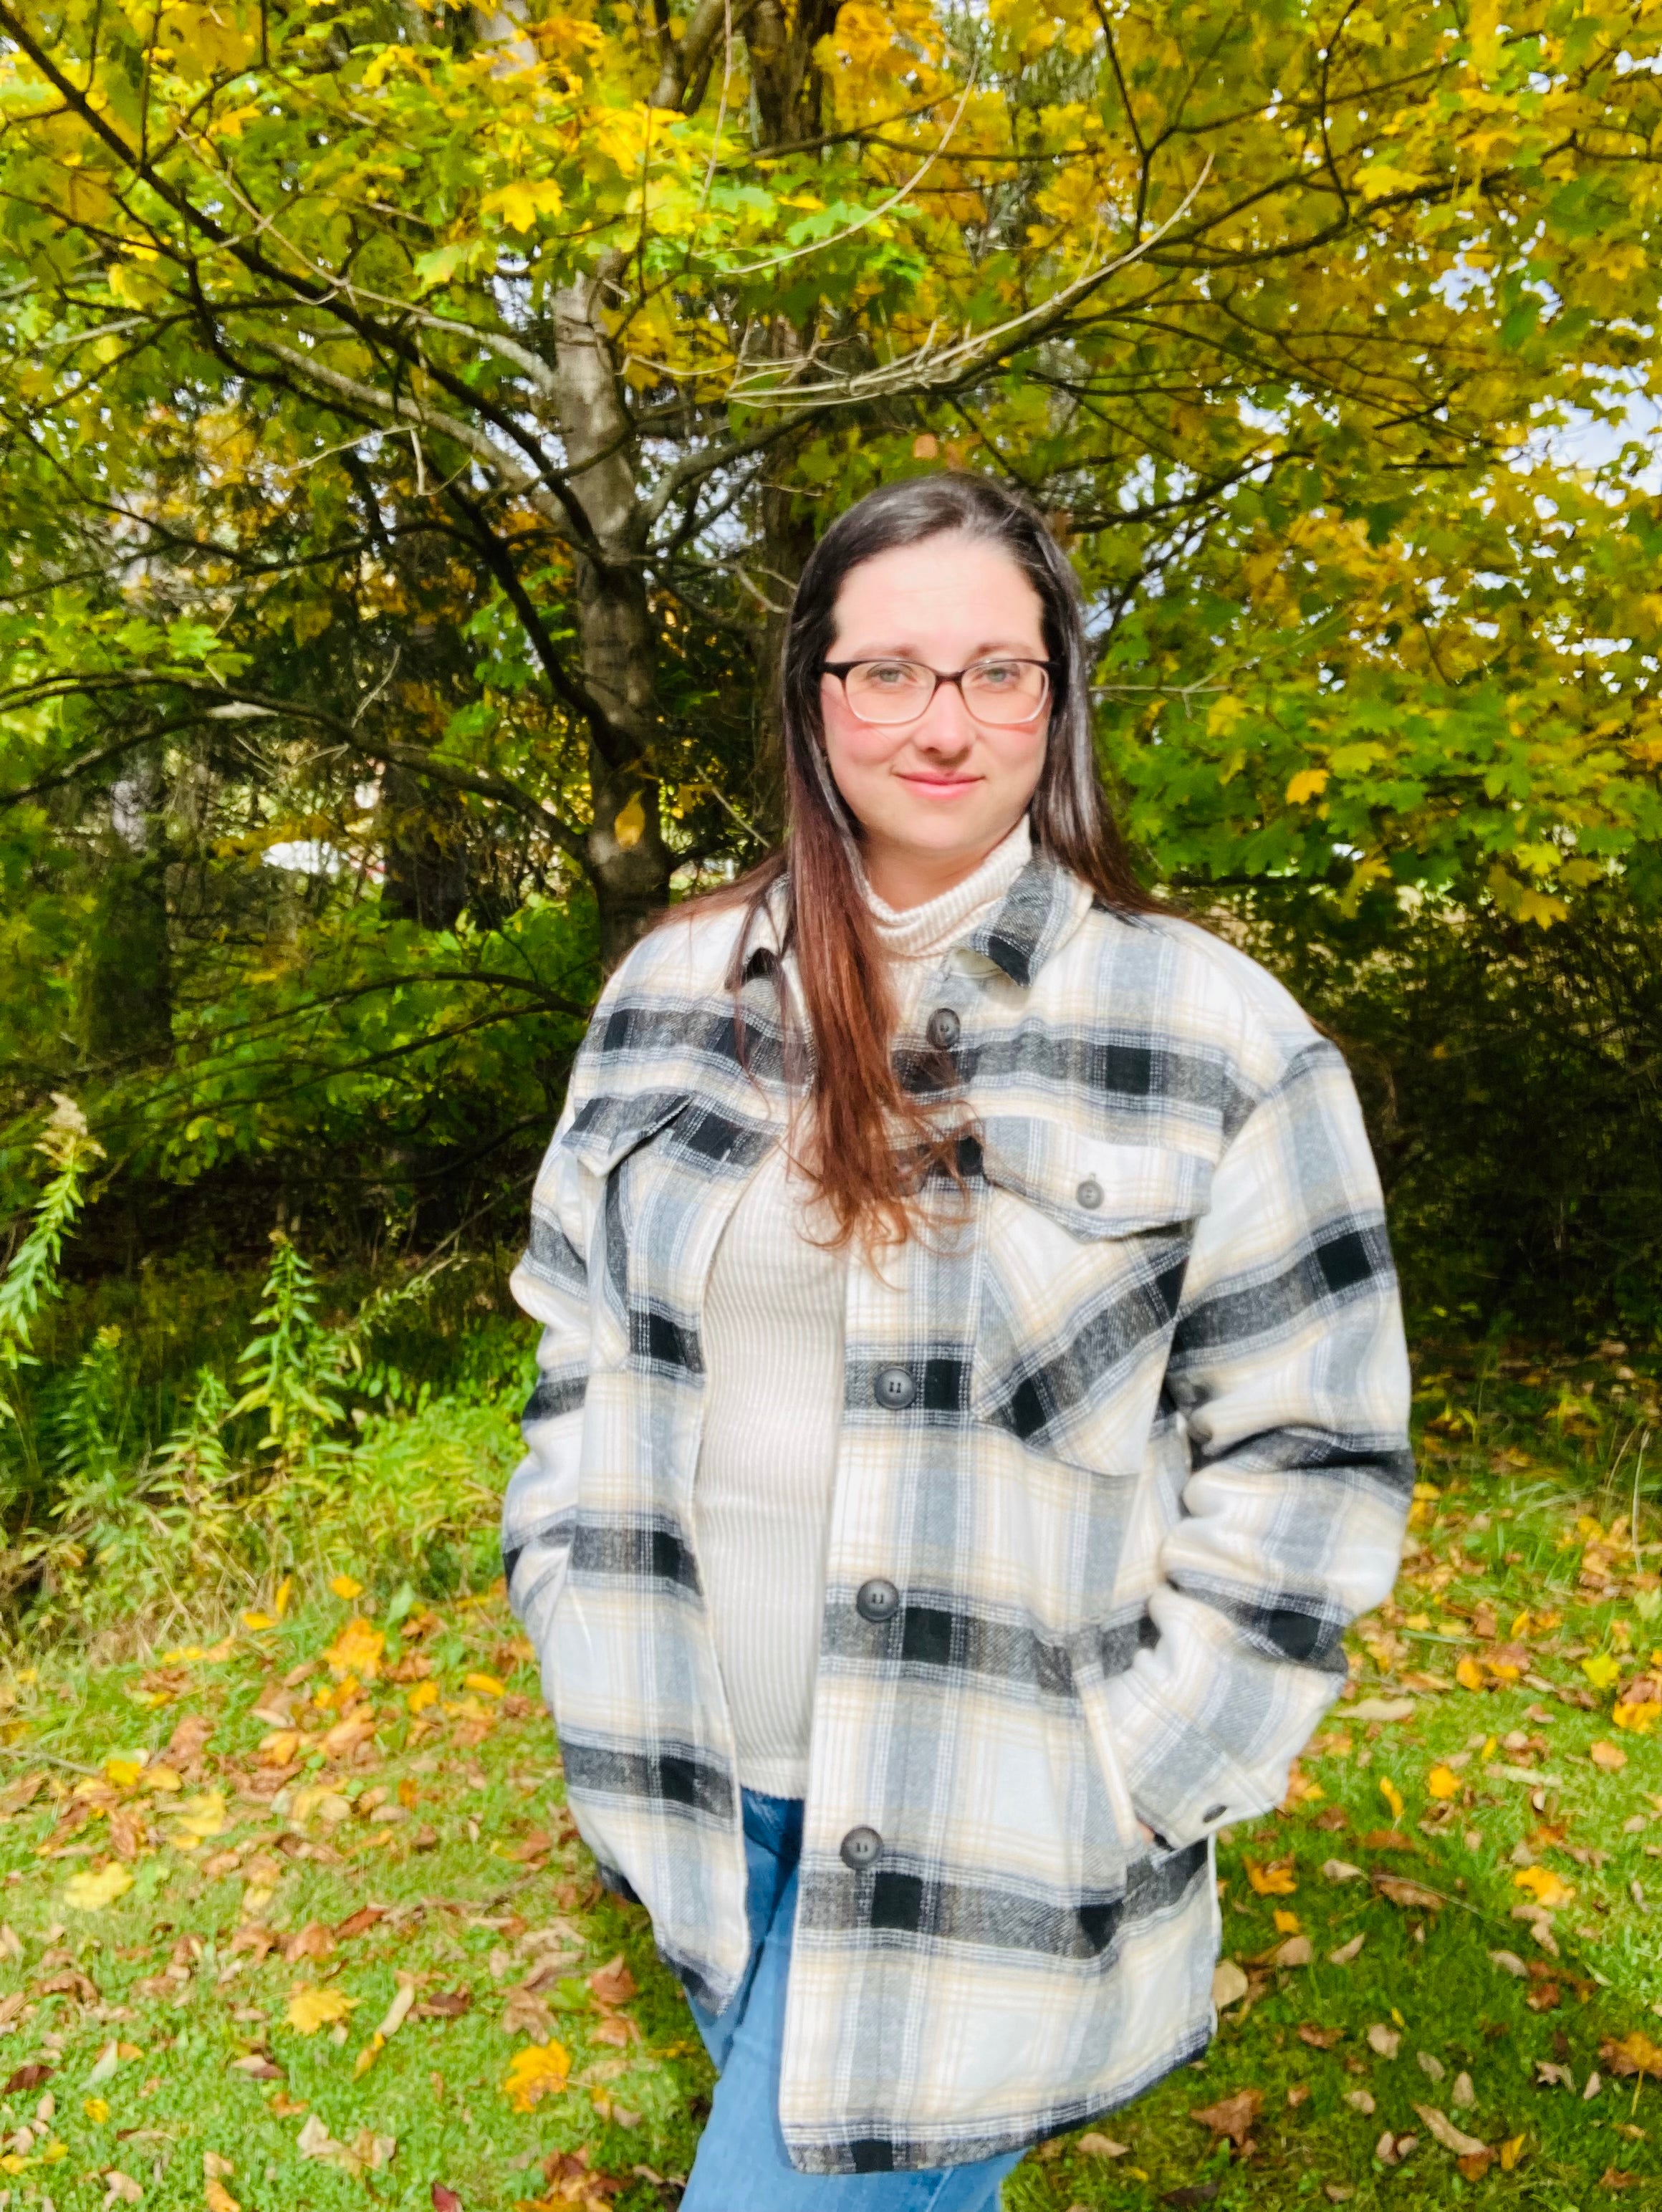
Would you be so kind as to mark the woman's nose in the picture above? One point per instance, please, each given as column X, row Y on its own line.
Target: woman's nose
column 946, row 725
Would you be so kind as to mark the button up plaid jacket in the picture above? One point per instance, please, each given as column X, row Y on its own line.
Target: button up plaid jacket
column 1151, row 1461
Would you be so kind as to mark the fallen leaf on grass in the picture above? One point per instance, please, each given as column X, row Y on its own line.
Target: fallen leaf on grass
column 1610, row 1756
column 1547, row 1888
column 121, row 2188
column 1319, row 2039
column 356, row 1652
column 1386, row 2041
column 366, row 2153
column 1295, row 1952
column 1341, row 1870
column 257, row 2066
column 1196, row 2193
column 1361, row 2102
column 1346, row 1953
column 1510, row 1963
column 1100, row 2146
column 526, row 2014
column 1229, row 1983
column 196, row 1818
column 445, row 2200
column 1632, row 2054
column 1455, row 2139
column 1442, row 1782
column 310, row 2009
column 1231, row 2115
column 444, row 2004
column 1614, row 2177
column 537, row 2072
column 355, row 1923
column 98, row 1886
column 1379, row 1709
column 218, row 2198
column 27, row 2077
column 1412, row 1896
column 1276, row 1880
column 346, row 1586
column 613, row 1983
column 313, row 1941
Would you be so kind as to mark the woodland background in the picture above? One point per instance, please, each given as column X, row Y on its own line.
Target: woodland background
column 412, row 418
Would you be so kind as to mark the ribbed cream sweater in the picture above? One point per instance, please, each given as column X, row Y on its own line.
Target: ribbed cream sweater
column 773, row 1395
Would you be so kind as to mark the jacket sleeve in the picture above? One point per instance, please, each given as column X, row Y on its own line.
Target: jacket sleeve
column 1289, row 1371
column 551, row 1284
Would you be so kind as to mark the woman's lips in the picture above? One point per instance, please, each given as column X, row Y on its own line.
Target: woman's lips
column 939, row 786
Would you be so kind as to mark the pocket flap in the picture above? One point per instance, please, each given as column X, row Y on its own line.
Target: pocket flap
column 607, row 1128
column 1093, row 1187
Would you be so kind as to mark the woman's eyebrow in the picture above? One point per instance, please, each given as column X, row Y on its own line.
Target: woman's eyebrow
column 1000, row 648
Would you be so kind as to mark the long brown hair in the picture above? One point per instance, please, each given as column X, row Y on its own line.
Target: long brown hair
column 872, row 1141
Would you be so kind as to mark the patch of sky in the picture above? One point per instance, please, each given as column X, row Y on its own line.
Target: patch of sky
column 306, row 856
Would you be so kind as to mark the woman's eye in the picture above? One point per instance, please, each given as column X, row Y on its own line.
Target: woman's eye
column 998, row 675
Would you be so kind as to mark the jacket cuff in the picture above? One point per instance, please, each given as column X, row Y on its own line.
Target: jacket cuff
column 1182, row 1784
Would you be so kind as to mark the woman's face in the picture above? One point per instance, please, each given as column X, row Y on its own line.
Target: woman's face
column 934, row 796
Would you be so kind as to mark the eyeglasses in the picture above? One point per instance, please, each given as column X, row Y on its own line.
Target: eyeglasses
column 1004, row 694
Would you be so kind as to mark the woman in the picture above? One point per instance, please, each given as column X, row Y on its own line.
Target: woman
column 973, row 1407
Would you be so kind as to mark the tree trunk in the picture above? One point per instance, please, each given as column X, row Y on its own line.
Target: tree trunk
column 628, row 861
column 426, row 863
column 127, row 981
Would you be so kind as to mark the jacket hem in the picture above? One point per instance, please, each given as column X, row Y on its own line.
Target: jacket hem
column 871, row 2150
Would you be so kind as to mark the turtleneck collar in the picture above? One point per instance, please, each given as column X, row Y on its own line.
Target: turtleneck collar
column 915, row 932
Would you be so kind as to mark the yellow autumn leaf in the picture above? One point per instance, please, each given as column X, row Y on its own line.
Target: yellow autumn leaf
column 1392, row 1795
column 1545, row 1886
column 1511, row 2151
column 521, row 203
column 217, row 2197
column 1443, row 1782
column 124, row 1772
column 1601, row 1670
column 285, row 1590
column 1644, row 2055
column 310, row 2009
column 198, row 1819
column 96, row 2109
column 346, row 1586
column 366, row 2057
column 1639, row 1719
column 1469, row 1674
column 1309, row 783
column 486, row 1684
column 536, row 2073
column 629, row 826
column 1277, row 1881
column 165, row 1780
column 1286, row 1924
column 424, row 1695
column 92, row 1891
column 258, row 1620
column 356, row 1650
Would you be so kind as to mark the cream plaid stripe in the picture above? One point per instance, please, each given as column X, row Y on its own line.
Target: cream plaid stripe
column 1145, row 1459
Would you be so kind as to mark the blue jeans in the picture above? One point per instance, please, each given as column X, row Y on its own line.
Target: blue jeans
column 741, row 2165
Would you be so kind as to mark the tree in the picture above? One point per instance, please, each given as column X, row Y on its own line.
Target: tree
column 394, row 398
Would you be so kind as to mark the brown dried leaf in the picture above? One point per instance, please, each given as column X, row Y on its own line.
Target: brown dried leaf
column 1231, row 2115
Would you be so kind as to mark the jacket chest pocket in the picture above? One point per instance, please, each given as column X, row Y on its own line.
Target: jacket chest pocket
column 1086, row 1244
column 664, row 1175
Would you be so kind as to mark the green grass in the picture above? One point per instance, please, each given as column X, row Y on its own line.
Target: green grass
column 141, row 2008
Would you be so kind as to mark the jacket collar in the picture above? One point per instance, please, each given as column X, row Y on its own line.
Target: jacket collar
column 1040, row 912
column 1036, row 916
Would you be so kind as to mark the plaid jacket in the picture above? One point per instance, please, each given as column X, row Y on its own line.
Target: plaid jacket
column 1121, row 1455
